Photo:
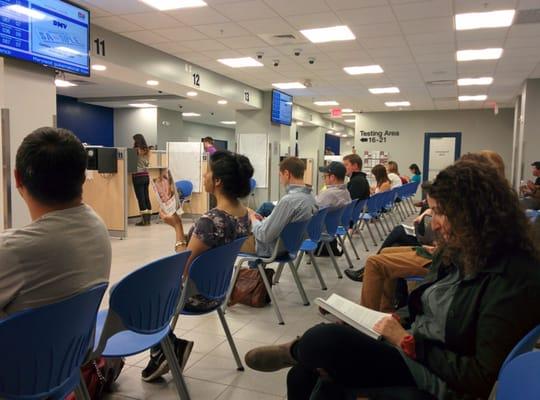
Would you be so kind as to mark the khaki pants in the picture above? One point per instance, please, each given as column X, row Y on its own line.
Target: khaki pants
column 381, row 272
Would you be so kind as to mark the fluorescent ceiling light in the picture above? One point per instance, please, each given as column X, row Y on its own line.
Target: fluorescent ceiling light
column 475, row 81
column 397, row 104
column 241, row 62
column 326, row 103
column 222, row 102
column 152, row 82
column 63, row 83
column 480, row 97
column 192, row 94
column 143, row 105
column 98, row 67
column 289, row 85
column 338, row 134
column 346, row 110
column 383, row 90
column 26, row 11
column 350, row 120
column 480, row 20
column 299, row 123
column 228, row 122
column 174, row 4
column 330, row 34
column 190, row 114
column 480, row 54
column 365, row 69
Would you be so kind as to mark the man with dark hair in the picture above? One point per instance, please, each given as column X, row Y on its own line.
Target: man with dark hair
column 358, row 185
column 336, row 193
column 209, row 147
column 298, row 204
column 531, row 190
column 66, row 248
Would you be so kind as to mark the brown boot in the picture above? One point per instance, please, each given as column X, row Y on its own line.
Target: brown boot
column 271, row 358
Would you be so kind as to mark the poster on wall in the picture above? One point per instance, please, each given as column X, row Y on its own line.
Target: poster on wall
column 255, row 147
column 441, row 155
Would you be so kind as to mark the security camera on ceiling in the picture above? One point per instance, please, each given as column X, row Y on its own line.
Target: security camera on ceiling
column 260, row 55
column 276, row 63
column 311, row 60
column 297, row 52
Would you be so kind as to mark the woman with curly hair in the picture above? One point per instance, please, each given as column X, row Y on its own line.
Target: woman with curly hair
column 481, row 296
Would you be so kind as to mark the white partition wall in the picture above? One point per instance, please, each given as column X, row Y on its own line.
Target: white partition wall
column 255, row 147
column 185, row 160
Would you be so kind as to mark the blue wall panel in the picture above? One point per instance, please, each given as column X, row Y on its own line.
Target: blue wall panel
column 92, row 124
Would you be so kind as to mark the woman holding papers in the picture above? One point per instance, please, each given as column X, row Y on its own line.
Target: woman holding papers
column 481, row 297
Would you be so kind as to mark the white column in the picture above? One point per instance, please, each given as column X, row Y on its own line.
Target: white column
column 529, row 137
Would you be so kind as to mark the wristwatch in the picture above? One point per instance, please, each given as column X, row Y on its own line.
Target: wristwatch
column 181, row 243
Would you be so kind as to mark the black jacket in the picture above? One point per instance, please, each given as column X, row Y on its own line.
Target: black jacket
column 488, row 316
column 358, row 186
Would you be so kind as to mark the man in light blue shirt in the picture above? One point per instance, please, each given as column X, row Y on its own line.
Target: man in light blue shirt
column 336, row 194
column 298, row 204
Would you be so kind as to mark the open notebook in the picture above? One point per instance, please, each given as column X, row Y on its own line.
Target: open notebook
column 357, row 316
column 166, row 193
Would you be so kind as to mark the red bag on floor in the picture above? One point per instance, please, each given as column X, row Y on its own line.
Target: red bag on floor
column 99, row 375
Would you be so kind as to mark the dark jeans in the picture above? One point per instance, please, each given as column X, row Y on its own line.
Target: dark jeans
column 398, row 237
column 140, row 185
column 351, row 359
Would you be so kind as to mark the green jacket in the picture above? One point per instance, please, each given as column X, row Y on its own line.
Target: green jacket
column 490, row 313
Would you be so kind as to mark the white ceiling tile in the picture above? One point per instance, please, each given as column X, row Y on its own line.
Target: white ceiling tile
column 288, row 7
column 480, row 68
column 427, row 25
column 153, row 20
column 523, row 41
column 528, row 4
column 198, row 16
column 246, row 10
column 116, row 24
column 310, row 21
column 390, row 52
column 204, row 45
column 437, row 91
column 521, row 52
column 193, row 56
column 423, row 49
column 448, row 58
column 120, row 7
column 171, row 47
column 222, row 54
column 375, row 30
column 440, row 38
column 243, row 42
column 94, row 11
column 524, row 30
column 351, row 4
column 467, row 6
column 371, row 15
column 219, row 31
column 424, row 9
column 392, row 59
column 180, row 34
column 480, row 44
column 146, row 37
column 266, row 25
column 382, row 42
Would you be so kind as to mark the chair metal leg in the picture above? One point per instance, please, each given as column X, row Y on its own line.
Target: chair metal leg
column 342, row 242
column 348, row 235
column 271, row 294
column 376, row 225
column 81, row 391
column 299, row 283
column 299, row 260
column 230, row 339
column 234, row 278
column 371, row 234
column 181, row 387
column 411, row 205
column 279, row 270
column 317, row 271
column 333, row 259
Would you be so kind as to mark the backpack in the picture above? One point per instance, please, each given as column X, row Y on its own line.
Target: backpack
column 321, row 250
column 249, row 288
column 99, row 375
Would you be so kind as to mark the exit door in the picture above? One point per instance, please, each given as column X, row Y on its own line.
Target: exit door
column 440, row 151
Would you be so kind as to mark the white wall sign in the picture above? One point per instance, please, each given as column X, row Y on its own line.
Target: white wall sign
column 377, row 136
column 441, row 155
column 185, row 162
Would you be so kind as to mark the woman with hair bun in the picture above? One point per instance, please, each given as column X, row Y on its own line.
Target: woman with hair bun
column 228, row 179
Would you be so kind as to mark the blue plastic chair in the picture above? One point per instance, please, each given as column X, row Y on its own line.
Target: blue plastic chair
column 519, row 379
column 252, row 187
column 371, row 213
column 524, row 345
column 342, row 231
column 332, row 222
column 210, row 273
column 285, row 252
column 314, row 231
column 355, row 219
column 532, row 215
column 185, row 190
column 141, row 307
column 44, row 348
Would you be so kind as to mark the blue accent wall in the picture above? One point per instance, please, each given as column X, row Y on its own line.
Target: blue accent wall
column 333, row 142
column 92, row 124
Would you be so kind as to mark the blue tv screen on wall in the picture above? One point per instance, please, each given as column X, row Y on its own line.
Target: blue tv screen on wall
column 281, row 108
column 54, row 33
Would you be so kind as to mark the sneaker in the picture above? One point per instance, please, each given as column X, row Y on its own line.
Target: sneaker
column 156, row 367
column 182, row 350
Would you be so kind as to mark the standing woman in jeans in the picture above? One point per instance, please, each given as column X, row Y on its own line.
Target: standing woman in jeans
column 141, row 179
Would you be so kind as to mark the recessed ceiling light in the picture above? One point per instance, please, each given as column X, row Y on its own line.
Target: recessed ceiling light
column 330, row 34
column 27, row 11
column 480, row 97
column 190, row 114
column 350, row 120
column 228, row 122
column 346, row 110
column 289, row 85
column 152, row 82
column 326, row 103
column 241, row 62
column 142, row 105
column 338, row 134
column 397, row 104
column 480, row 20
column 174, row 4
column 98, row 67
column 192, row 94
column 222, row 102
column 63, row 83
column 299, row 123
column 475, row 81
column 365, row 69
column 480, row 54
column 383, row 90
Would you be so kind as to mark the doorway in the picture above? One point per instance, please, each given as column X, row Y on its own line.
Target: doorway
column 441, row 149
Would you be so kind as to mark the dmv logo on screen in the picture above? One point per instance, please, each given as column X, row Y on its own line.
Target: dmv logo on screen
column 59, row 24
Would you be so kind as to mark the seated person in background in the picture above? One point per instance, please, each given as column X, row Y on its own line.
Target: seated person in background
column 479, row 299
column 382, row 182
column 298, row 204
column 416, row 175
column 531, row 190
column 358, row 186
column 66, row 248
column 393, row 175
column 208, row 144
column 227, row 178
column 336, row 194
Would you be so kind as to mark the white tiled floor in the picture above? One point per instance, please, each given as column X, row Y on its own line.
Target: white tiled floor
column 211, row 371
